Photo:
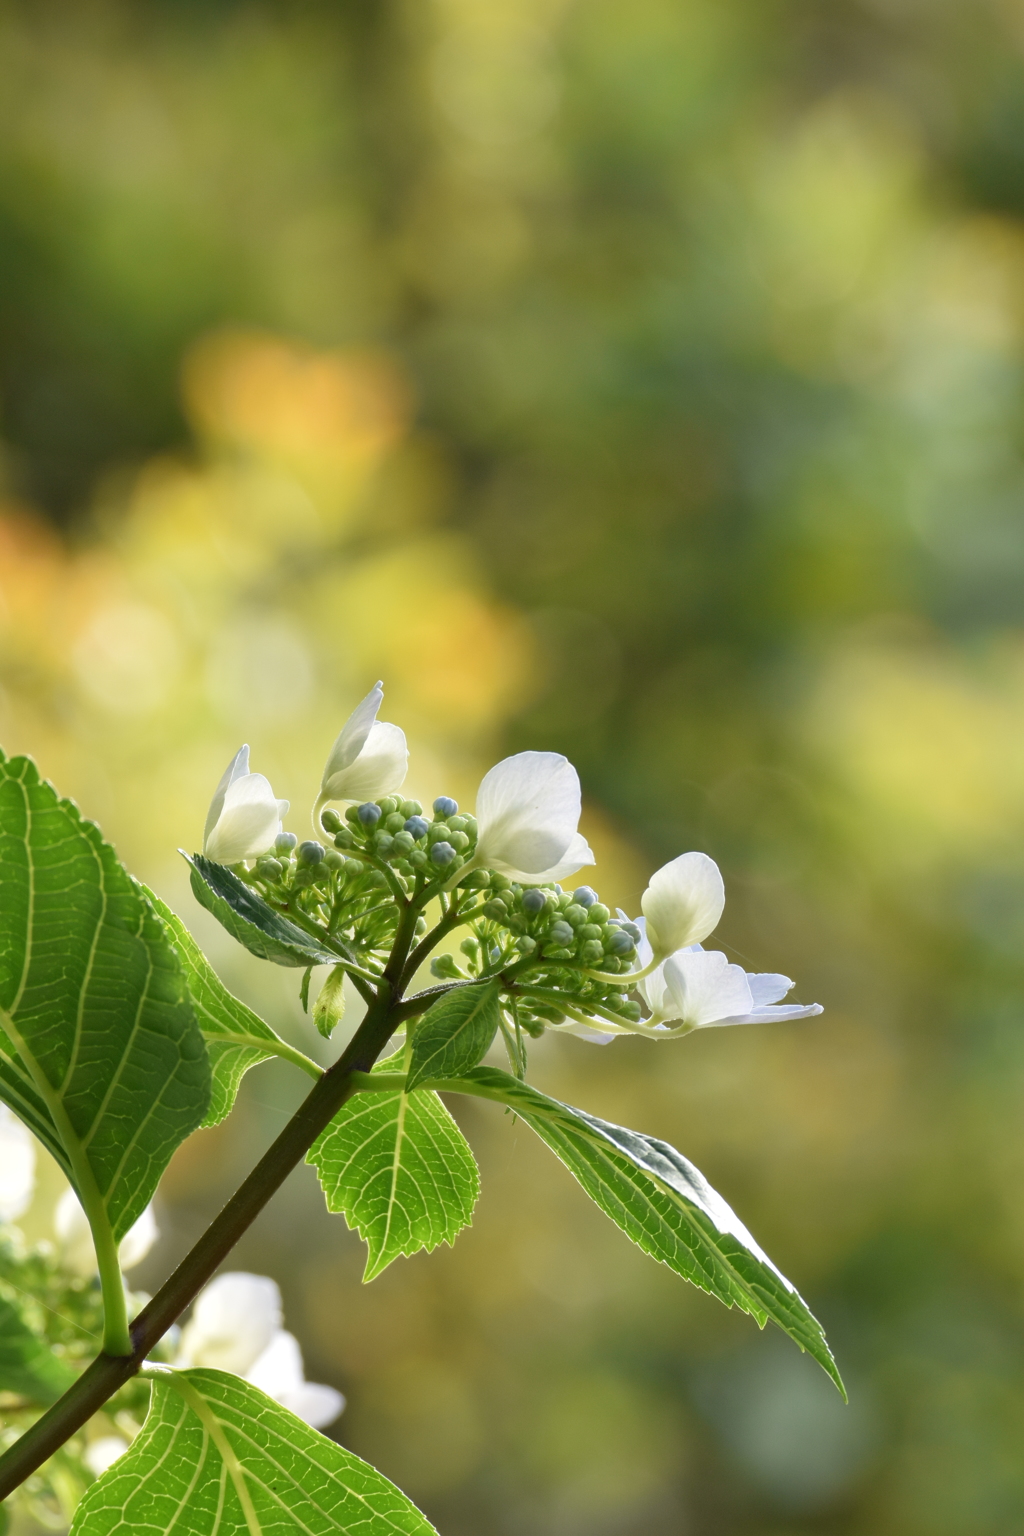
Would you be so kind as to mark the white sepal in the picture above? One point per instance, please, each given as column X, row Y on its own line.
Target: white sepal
column 245, row 815
column 74, row 1237
column 528, row 811
column 683, row 903
column 369, row 759
column 17, row 1166
column 233, row 1320
column 279, row 1373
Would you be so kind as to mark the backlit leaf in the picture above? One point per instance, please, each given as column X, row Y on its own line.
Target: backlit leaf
column 248, row 918
column 455, row 1032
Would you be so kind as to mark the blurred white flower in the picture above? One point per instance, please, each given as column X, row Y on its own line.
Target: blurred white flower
column 74, row 1237
column 682, row 903
column 233, row 1320
column 700, row 989
column 101, row 1454
column 528, row 811
column 369, row 759
column 236, row 1326
column 278, row 1372
column 244, row 816
column 17, row 1166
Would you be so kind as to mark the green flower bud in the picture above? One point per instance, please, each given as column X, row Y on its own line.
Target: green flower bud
column 389, row 805
column 333, row 860
column 374, row 879
column 598, row 913
column 620, row 943
column 410, row 808
column 575, row 915
column 526, row 945
column 438, row 832
column 404, row 842
column 421, row 927
column 495, row 910
column 304, row 876
column 330, row 821
column 456, row 823
column 557, row 952
column 344, row 839
column 459, row 841
column 444, row 967
column 534, row 900
column 383, row 841
column 629, row 1009
column 561, row 933
column 418, row 858
column 477, row 880
column 311, row 853
column 470, row 947
column 500, row 882
column 395, row 822
column 592, row 932
column 517, row 922
column 285, row 842
column 269, row 869
column 592, row 952
column 354, row 868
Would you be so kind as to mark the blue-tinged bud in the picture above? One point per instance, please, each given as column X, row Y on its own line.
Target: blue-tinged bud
column 584, row 897
column 417, row 826
column 561, row 933
column 445, row 807
column 534, row 900
column 619, row 943
column 632, row 930
column 369, row 814
column 442, row 853
column 285, row 842
column 311, row 852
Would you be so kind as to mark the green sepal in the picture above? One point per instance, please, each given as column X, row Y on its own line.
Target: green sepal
column 218, row 1457
column 399, row 1170
column 248, row 918
column 219, row 1015
column 455, row 1032
column 664, row 1205
column 28, row 1365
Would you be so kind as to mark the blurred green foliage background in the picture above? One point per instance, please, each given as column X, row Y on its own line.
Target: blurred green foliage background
column 644, row 382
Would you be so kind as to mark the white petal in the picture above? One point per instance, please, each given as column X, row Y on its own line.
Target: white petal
column 17, row 1166
column 683, row 902
column 775, row 1015
column 765, row 987
column 102, row 1453
column 528, row 811
column 249, row 821
column 238, row 766
column 379, row 769
column 316, row 1404
column 352, row 737
column 139, row 1239
column 705, row 989
column 232, row 1322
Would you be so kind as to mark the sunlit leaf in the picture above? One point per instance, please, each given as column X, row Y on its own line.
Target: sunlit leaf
column 225, row 1021
column 28, row 1365
column 455, row 1032
column 248, row 918
column 217, row 1457
column 399, row 1170
column 100, row 1053
column 665, row 1205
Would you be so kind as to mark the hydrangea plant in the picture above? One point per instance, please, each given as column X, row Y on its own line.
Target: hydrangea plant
column 118, row 1040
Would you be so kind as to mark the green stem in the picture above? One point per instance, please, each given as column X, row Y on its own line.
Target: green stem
column 275, row 1047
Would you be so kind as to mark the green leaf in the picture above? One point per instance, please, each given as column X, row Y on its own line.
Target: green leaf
column 248, row 918
column 399, row 1170
column 665, row 1205
column 329, row 1008
column 100, row 1053
column 28, row 1365
column 233, row 1032
column 455, row 1032
column 217, row 1457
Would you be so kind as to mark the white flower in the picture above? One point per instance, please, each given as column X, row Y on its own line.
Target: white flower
column 17, row 1166
column 369, row 759
column 74, row 1237
column 528, row 811
column 244, row 816
column 101, row 1454
column 699, row 988
column 683, row 903
column 278, row 1372
column 233, row 1320
column 236, row 1326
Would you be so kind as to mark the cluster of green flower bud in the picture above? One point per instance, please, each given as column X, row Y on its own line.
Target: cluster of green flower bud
column 307, row 880
column 396, row 832
column 558, row 925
